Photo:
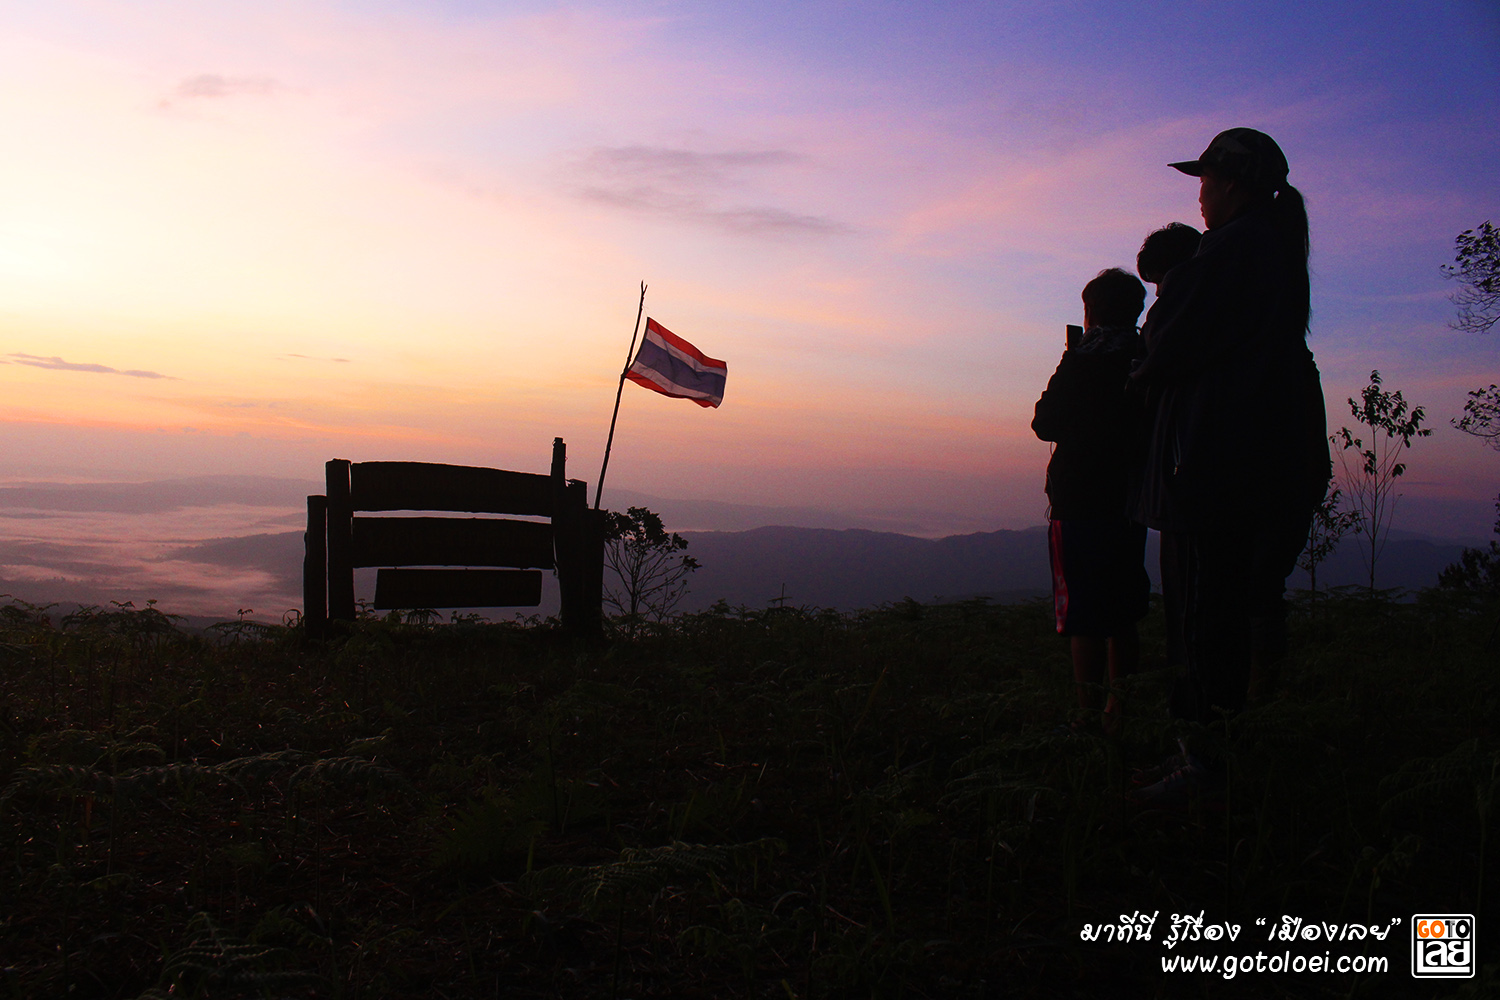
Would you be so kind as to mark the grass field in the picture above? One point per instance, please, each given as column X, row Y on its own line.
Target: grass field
column 745, row 803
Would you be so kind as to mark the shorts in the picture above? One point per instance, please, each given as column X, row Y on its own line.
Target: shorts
column 1099, row 582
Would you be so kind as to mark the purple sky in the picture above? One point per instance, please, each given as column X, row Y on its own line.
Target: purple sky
column 247, row 237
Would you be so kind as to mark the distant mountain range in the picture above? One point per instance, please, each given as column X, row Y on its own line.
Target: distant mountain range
column 855, row 569
column 81, row 542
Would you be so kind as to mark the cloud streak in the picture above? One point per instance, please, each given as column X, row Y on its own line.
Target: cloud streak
column 212, row 85
column 680, row 166
column 686, row 186
column 160, row 496
column 58, row 364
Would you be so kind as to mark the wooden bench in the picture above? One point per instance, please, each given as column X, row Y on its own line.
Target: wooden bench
column 571, row 540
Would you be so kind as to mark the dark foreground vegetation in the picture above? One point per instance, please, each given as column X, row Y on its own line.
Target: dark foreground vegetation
column 777, row 803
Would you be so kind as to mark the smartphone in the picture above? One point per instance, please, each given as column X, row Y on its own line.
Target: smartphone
column 1075, row 334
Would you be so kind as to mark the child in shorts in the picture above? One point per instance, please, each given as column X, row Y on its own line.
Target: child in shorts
column 1100, row 589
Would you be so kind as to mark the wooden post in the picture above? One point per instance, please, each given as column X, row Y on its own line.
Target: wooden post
column 563, row 534
column 581, row 607
column 315, row 567
column 340, row 542
column 559, row 463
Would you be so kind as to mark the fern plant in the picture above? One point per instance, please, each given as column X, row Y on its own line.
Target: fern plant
column 214, row 963
column 488, row 836
column 343, row 771
column 1424, row 781
column 645, row 871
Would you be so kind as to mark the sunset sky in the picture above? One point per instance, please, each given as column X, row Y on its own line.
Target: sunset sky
column 246, row 237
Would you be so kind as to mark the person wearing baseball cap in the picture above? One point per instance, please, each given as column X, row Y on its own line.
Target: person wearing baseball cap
column 1245, row 154
column 1236, row 457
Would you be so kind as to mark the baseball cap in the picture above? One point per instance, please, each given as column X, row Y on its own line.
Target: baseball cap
column 1241, row 153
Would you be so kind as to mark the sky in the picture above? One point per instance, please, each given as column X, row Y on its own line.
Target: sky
column 246, row 237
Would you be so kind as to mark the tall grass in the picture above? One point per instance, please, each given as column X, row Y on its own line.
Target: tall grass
column 742, row 803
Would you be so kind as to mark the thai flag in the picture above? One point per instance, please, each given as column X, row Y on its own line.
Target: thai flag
column 673, row 367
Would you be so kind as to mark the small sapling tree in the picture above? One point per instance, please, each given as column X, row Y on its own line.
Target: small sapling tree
column 1372, row 472
column 649, row 566
column 1332, row 520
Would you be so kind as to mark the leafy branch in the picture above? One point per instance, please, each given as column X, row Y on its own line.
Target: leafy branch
column 1482, row 415
column 1332, row 520
column 1476, row 267
column 1372, row 473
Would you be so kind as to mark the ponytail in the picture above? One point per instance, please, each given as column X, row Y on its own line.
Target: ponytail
column 1288, row 215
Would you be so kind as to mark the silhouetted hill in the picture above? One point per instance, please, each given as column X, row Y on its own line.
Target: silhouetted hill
column 856, row 568
column 1409, row 560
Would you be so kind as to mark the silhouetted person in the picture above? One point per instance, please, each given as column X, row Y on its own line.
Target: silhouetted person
column 1237, row 455
column 1161, row 251
column 1099, row 584
column 1165, row 248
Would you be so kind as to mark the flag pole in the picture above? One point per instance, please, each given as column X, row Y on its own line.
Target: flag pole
column 629, row 356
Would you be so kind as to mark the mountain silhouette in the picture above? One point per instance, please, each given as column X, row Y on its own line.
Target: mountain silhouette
column 857, row 568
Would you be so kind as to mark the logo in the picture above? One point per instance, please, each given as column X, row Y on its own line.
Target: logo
column 1442, row 946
